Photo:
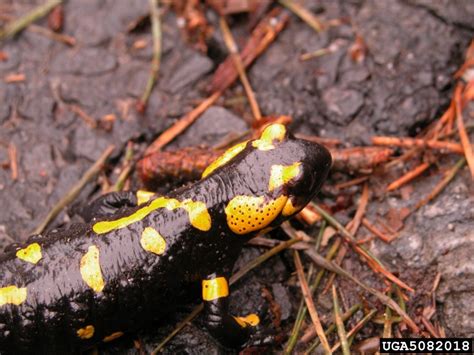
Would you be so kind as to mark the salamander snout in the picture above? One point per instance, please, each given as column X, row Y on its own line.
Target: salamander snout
column 313, row 165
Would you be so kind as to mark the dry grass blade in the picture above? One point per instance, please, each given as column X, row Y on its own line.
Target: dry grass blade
column 310, row 304
column 341, row 331
column 75, row 190
column 357, row 327
column 409, row 176
column 352, row 227
column 462, row 130
column 128, row 165
column 306, row 15
column 183, row 123
column 262, row 258
column 331, row 328
column 371, row 259
column 234, row 53
column 198, row 309
column 156, row 59
column 251, row 265
column 441, row 185
column 320, row 261
column 13, row 27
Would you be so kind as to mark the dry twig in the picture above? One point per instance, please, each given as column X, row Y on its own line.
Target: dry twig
column 234, row 53
column 155, row 62
column 75, row 190
column 15, row 26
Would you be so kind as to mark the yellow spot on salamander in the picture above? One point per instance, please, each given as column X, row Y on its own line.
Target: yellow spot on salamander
column 224, row 158
column 152, row 241
column 273, row 132
column 214, row 288
column 90, row 269
column 252, row 320
column 290, row 209
column 112, row 336
column 86, row 333
column 31, row 254
column 198, row 214
column 144, row 196
column 281, row 175
column 12, row 295
column 247, row 214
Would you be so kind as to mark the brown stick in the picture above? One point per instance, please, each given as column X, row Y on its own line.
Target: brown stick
column 408, row 176
column 414, row 142
column 239, row 66
column 181, row 125
column 441, row 185
column 13, row 156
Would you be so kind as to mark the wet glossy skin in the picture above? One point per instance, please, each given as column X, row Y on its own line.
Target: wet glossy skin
column 70, row 290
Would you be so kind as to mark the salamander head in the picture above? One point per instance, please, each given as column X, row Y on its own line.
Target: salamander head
column 273, row 177
column 299, row 168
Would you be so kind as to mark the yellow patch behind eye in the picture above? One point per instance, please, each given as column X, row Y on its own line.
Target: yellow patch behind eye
column 144, row 196
column 247, row 214
column 112, row 336
column 31, row 254
column 90, row 269
column 198, row 215
column 224, row 158
column 281, row 175
column 214, row 288
column 152, row 241
column 273, row 132
column 251, row 319
column 12, row 295
column 86, row 333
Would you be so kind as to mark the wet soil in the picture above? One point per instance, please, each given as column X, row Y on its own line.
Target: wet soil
column 404, row 83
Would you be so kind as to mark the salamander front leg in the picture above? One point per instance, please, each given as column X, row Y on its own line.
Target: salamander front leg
column 228, row 330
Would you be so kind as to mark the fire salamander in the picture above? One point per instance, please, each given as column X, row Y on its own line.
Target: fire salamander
column 75, row 288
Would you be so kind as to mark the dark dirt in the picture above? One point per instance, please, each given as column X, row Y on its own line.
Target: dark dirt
column 405, row 82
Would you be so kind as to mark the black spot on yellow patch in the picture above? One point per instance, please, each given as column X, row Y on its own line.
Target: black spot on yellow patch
column 214, row 288
column 31, row 254
column 247, row 214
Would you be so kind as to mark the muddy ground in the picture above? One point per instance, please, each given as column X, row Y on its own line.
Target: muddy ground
column 404, row 83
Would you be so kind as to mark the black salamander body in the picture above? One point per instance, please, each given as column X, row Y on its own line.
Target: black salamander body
column 73, row 289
